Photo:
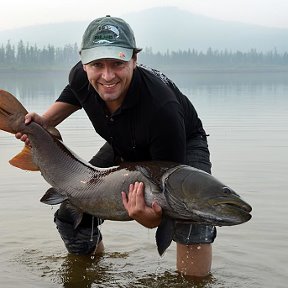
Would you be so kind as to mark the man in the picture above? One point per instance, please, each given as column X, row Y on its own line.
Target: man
column 143, row 116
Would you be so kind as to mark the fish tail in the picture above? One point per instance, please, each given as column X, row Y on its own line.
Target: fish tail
column 10, row 109
column 9, row 106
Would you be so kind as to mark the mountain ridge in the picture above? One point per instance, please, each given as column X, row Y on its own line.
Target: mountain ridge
column 162, row 29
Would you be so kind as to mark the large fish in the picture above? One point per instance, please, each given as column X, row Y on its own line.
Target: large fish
column 185, row 194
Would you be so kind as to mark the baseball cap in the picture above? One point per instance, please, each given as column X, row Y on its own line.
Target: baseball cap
column 108, row 37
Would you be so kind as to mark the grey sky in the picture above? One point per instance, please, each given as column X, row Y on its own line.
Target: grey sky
column 19, row 13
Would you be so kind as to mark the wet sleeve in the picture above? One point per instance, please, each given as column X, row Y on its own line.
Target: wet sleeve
column 168, row 136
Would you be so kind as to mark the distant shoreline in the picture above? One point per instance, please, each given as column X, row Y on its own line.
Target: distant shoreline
column 224, row 70
column 171, row 69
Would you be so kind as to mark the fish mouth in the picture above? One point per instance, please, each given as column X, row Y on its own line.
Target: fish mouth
column 236, row 213
column 223, row 214
column 244, row 207
column 233, row 200
column 229, row 212
column 234, row 204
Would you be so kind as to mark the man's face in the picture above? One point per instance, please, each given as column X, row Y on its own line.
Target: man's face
column 111, row 79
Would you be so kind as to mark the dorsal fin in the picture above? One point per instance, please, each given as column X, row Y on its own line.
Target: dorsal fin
column 54, row 131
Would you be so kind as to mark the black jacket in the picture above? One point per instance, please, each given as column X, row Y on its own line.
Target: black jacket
column 154, row 122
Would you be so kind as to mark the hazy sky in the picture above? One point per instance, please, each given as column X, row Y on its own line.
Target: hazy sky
column 19, row 13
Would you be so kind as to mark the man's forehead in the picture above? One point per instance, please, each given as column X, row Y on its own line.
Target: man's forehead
column 109, row 60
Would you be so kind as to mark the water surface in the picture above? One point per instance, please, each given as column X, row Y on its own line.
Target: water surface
column 246, row 117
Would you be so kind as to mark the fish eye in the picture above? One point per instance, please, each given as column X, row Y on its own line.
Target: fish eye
column 226, row 190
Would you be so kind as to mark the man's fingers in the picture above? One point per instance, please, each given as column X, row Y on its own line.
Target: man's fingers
column 132, row 195
column 18, row 135
column 24, row 138
column 124, row 199
column 139, row 187
column 27, row 142
column 28, row 118
column 157, row 208
column 32, row 116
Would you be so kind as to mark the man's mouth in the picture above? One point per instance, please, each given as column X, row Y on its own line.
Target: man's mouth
column 109, row 85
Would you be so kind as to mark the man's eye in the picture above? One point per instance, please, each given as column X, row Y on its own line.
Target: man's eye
column 118, row 63
column 97, row 65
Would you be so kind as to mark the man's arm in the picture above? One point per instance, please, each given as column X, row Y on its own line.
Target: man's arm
column 58, row 112
column 54, row 115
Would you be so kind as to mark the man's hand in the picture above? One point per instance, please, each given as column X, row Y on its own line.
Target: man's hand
column 137, row 209
column 32, row 116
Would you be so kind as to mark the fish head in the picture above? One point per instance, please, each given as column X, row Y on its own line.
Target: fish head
column 199, row 197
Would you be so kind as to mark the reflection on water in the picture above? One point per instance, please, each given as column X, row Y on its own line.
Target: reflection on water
column 109, row 270
column 246, row 117
column 74, row 271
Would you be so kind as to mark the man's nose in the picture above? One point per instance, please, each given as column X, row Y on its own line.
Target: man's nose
column 108, row 74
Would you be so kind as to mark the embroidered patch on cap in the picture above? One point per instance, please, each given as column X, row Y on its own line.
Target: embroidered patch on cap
column 122, row 55
column 106, row 34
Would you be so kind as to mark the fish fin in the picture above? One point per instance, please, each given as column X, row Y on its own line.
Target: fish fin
column 11, row 109
column 52, row 197
column 54, row 132
column 164, row 235
column 23, row 160
column 9, row 105
column 75, row 213
column 77, row 217
column 155, row 170
column 148, row 173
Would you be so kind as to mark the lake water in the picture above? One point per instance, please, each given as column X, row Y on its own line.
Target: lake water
column 246, row 116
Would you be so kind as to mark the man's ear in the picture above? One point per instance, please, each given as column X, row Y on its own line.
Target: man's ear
column 135, row 60
column 84, row 68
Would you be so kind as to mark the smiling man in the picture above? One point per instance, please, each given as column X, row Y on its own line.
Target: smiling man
column 142, row 115
column 111, row 79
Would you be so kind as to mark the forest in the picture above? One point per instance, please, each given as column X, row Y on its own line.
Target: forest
column 30, row 57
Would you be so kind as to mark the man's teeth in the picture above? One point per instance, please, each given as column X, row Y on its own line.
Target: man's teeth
column 109, row 86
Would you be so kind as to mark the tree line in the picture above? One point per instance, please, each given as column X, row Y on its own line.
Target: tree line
column 26, row 56
column 216, row 58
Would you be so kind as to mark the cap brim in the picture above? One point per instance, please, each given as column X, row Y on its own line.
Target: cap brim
column 111, row 52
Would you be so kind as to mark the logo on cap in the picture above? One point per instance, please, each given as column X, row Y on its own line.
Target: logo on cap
column 106, row 34
column 122, row 55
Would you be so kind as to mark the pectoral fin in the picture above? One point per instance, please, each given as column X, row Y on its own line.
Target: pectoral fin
column 75, row 215
column 52, row 197
column 164, row 235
